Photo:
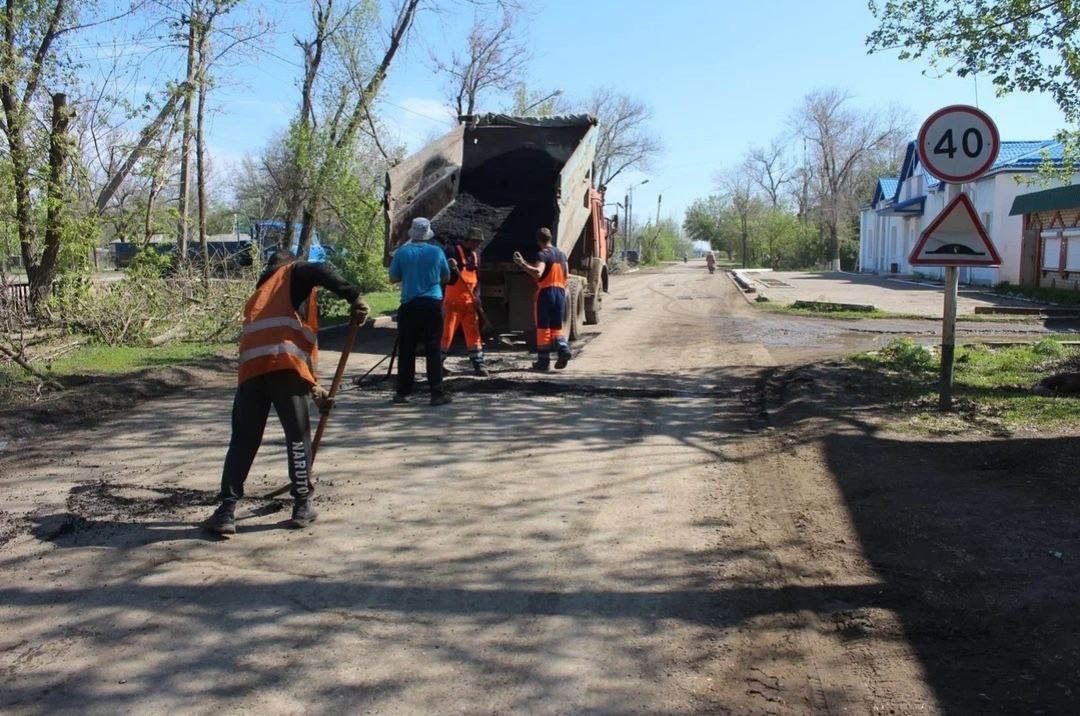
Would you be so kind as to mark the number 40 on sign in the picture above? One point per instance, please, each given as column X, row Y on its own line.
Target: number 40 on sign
column 958, row 143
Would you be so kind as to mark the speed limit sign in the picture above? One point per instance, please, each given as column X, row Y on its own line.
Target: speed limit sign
column 958, row 143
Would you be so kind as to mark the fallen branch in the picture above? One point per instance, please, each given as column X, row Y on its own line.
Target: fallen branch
column 46, row 380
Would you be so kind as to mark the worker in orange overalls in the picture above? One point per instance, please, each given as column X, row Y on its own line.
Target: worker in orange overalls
column 278, row 355
column 461, row 301
column 549, row 303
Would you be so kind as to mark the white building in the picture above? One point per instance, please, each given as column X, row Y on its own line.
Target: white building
column 903, row 206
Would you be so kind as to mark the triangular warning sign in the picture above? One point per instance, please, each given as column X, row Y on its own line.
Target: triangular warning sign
column 955, row 238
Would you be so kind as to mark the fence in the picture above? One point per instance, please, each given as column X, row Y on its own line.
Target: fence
column 15, row 299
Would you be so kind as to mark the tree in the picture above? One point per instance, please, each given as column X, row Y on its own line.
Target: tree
column 35, row 54
column 705, row 221
column 625, row 140
column 494, row 58
column 779, row 231
column 770, row 170
column 336, row 60
column 844, row 143
column 737, row 186
column 1023, row 45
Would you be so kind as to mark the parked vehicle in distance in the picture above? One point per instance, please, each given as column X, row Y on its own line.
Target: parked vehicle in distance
column 631, row 256
column 267, row 233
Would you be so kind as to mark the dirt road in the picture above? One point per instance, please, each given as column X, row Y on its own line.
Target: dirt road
column 641, row 533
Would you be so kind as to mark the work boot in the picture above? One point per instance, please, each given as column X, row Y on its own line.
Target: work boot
column 562, row 360
column 223, row 521
column 541, row 367
column 303, row 514
column 441, row 399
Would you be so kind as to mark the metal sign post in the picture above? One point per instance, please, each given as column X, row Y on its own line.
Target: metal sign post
column 956, row 144
column 948, row 337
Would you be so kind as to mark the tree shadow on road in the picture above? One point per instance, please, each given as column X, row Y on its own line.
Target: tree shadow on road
column 510, row 612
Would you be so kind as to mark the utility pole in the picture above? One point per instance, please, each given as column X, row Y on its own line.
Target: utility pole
column 626, row 223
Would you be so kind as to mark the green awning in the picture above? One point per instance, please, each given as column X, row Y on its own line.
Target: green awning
column 1063, row 197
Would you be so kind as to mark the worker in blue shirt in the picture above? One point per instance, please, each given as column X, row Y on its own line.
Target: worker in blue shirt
column 421, row 268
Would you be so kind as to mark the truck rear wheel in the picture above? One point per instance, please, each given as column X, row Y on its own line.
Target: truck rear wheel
column 592, row 310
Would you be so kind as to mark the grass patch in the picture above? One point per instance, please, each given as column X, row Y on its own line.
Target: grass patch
column 333, row 310
column 991, row 387
column 107, row 360
column 1060, row 296
column 791, row 310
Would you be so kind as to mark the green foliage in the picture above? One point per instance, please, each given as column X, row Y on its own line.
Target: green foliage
column 662, row 242
column 1062, row 296
column 906, row 356
column 97, row 359
column 148, row 263
column 142, row 307
column 991, row 389
column 1049, row 348
column 1022, row 46
column 333, row 310
column 779, row 231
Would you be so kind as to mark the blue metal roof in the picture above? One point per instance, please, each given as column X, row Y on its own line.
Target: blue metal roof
column 886, row 188
column 1026, row 155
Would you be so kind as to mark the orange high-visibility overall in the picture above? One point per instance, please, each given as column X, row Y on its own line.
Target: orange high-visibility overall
column 549, row 305
column 459, row 305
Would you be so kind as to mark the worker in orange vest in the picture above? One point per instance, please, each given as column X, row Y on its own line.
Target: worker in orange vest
column 278, row 357
column 549, row 303
column 461, row 300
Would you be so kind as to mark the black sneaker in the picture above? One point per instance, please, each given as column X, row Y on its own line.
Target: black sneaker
column 540, row 367
column 400, row 399
column 223, row 521
column 303, row 514
column 562, row 360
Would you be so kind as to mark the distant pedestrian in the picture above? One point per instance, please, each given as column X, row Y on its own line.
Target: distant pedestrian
column 549, row 302
column 278, row 353
column 421, row 269
column 462, row 302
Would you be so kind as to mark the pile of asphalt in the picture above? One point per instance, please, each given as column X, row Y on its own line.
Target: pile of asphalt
column 508, row 198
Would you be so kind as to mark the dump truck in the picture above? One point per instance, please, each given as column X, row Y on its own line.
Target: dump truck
column 510, row 176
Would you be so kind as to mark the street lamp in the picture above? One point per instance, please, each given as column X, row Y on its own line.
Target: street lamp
column 553, row 95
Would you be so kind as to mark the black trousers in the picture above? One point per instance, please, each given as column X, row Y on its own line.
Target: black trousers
column 420, row 321
column 288, row 393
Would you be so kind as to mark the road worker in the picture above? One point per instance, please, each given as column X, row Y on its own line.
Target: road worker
column 278, row 355
column 421, row 268
column 549, row 302
column 461, row 305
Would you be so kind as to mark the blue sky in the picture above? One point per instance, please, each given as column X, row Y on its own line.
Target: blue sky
column 720, row 77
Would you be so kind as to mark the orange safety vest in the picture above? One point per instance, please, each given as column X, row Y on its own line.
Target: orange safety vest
column 555, row 273
column 464, row 289
column 275, row 336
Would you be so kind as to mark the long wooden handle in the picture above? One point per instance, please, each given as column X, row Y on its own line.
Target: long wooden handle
column 350, row 338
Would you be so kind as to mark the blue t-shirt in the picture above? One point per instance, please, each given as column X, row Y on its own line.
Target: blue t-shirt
column 421, row 267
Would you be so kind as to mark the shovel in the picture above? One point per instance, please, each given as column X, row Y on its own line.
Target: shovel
column 324, row 416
